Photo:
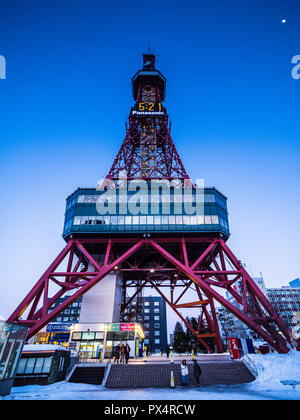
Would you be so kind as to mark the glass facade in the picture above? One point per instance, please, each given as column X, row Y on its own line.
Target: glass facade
column 286, row 302
column 82, row 215
column 34, row 365
column 99, row 343
column 12, row 338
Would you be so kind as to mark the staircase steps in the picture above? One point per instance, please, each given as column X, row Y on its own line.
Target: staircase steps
column 88, row 375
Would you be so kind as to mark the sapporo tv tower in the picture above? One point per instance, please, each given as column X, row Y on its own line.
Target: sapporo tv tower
column 177, row 255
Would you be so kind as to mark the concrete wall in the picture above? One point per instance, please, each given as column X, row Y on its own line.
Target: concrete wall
column 103, row 302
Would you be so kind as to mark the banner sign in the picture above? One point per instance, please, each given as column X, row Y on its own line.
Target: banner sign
column 121, row 327
column 58, row 327
column 127, row 327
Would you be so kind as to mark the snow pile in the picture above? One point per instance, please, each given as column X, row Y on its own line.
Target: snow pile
column 274, row 368
column 43, row 347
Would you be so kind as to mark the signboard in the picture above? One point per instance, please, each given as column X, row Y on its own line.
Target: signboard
column 121, row 327
column 144, row 108
column 127, row 327
column 233, row 347
column 58, row 328
column 114, row 327
column 73, row 347
column 137, row 347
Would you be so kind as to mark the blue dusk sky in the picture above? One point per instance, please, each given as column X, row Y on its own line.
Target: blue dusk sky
column 232, row 100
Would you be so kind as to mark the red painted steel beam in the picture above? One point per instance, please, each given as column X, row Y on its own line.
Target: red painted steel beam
column 39, row 285
column 207, row 289
column 102, row 273
column 191, row 304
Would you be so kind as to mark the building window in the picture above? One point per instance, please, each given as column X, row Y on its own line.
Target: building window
column 157, row 325
column 156, row 318
column 156, row 311
column 76, row 336
column 156, row 303
column 157, row 341
column 157, row 333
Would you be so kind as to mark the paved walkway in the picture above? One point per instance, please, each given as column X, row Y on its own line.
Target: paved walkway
column 201, row 358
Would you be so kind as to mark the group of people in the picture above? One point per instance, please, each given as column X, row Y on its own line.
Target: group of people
column 185, row 372
column 121, row 353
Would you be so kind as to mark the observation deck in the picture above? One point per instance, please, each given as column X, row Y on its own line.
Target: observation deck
column 83, row 219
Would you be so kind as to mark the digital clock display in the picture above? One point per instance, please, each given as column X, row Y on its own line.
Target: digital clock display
column 148, row 108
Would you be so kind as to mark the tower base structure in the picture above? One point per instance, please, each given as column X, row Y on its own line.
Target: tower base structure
column 176, row 267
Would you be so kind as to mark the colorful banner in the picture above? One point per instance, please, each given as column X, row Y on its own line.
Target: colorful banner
column 121, row 327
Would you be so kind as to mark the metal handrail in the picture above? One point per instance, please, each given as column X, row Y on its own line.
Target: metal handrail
column 250, row 365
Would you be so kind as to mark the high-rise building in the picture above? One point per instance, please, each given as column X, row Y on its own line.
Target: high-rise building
column 152, row 315
column 71, row 314
column 286, row 301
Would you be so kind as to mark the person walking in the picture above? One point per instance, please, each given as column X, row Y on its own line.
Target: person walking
column 197, row 371
column 117, row 354
column 167, row 351
column 127, row 353
column 184, row 373
column 122, row 354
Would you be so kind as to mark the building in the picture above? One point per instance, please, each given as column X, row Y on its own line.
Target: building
column 58, row 331
column 228, row 323
column 71, row 314
column 42, row 365
column 230, row 326
column 96, row 340
column 261, row 284
column 152, row 314
column 286, row 301
column 295, row 283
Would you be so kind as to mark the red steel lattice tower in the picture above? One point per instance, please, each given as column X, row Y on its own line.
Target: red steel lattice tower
column 178, row 256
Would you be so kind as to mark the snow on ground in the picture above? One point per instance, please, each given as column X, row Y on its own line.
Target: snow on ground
column 272, row 368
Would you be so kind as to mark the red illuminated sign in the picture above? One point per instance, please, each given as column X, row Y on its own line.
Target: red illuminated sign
column 127, row 327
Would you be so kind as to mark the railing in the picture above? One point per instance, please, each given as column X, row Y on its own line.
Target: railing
column 250, row 365
column 90, row 357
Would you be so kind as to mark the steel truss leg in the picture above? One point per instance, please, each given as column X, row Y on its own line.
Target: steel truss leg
column 216, row 267
column 202, row 277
